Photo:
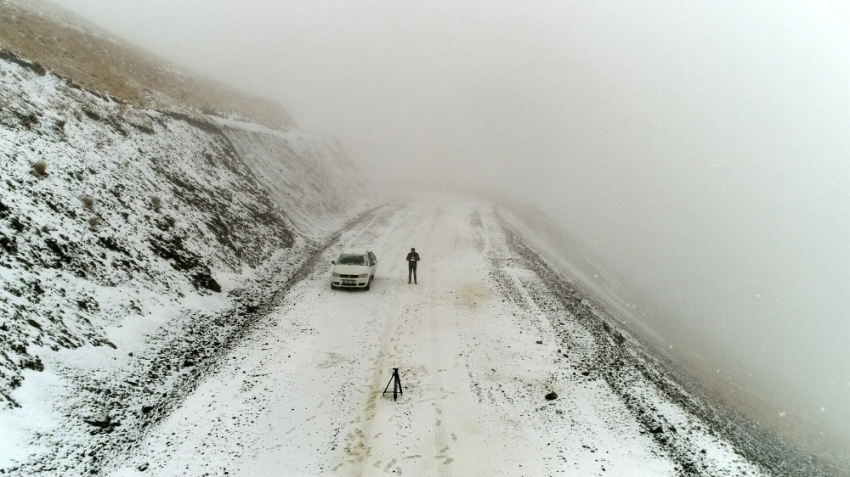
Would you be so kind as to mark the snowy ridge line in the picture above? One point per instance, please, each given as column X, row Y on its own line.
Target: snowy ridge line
column 176, row 362
column 68, row 44
column 699, row 433
column 235, row 123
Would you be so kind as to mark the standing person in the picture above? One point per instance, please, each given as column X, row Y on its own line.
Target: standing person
column 412, row 258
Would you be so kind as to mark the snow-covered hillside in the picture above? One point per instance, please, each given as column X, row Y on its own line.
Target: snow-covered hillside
column 307, row 174
column 117, row 221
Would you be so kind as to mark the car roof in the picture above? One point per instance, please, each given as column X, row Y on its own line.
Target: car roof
column 354, row 251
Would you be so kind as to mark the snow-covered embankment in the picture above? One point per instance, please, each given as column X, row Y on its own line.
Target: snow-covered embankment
column 120, row 226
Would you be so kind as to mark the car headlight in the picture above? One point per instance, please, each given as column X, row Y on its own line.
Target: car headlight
column 336, row 275
column 364, row 275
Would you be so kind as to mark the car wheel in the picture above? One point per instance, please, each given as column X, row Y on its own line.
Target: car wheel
column 333, row 287
column 369, row 284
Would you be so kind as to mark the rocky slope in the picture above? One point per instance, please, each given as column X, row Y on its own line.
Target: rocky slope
column 120, row 224
column 307, row 174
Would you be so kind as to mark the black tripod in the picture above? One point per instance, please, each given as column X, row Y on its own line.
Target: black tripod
column 395, row 381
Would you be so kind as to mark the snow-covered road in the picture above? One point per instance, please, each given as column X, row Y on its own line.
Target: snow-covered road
column 477, row 354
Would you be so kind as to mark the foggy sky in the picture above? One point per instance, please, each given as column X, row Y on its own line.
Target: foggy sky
column 701, row 150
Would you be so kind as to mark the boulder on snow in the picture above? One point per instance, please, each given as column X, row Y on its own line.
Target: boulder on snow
column 99, row 419
column 34, row 363
column 551, row 396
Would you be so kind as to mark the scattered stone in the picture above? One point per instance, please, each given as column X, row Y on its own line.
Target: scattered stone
column 33, row 363
column 143, row 467
column 101, row 420
column 618, row 338
column 656, row 430
column 147, row 408
column 551, row 396
column 40, row 169
column 539, row 342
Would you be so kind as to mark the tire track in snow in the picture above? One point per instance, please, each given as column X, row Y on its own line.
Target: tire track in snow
column 360, row 447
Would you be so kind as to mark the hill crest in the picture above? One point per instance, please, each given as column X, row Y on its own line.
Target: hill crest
column 99, row 61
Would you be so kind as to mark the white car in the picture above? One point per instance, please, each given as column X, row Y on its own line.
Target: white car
column 355, row 268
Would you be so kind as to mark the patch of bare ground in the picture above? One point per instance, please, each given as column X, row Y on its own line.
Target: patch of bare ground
column 99, row 61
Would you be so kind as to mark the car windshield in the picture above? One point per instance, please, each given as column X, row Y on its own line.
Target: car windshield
column 351, row 260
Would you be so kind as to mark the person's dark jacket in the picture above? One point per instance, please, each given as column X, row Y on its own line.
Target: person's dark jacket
column 412, row 258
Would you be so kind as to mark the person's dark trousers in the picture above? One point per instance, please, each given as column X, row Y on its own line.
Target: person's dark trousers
column 411, row 272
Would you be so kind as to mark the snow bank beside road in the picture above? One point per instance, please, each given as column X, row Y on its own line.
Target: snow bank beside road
column 695, row 428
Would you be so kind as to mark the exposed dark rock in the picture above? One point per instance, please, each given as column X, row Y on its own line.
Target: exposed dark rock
column 551, row 396
column 34, row 363
column 143, row 129
column 111, row 243
column 17, row 225
column 8, row 244
column 92, row 115
column 100, row 420
column 619, row 338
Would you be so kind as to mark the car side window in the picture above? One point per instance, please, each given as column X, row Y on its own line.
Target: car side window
column 372, row 258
